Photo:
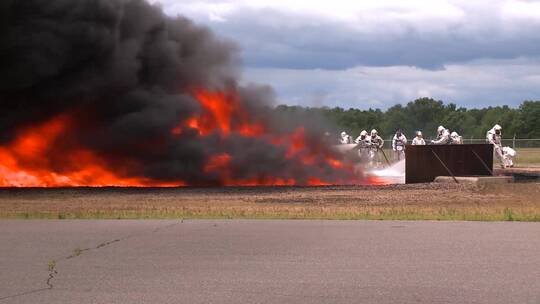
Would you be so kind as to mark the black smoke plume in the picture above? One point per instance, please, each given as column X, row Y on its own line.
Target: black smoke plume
column 127, row 71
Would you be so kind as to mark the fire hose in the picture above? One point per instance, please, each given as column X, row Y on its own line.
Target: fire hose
column 368, row 146
column 384, row 154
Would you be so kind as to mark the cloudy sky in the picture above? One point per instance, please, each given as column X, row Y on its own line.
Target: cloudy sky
column 378, row 53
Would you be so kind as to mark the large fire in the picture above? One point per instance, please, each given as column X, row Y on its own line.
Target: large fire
column 133, row 97
column 31, row 158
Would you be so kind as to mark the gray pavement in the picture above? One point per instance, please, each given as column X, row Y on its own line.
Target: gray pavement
column 244, row 261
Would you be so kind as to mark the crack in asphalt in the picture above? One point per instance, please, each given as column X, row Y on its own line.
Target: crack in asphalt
column 24, row 293
column 51, row 276
column 78, row 252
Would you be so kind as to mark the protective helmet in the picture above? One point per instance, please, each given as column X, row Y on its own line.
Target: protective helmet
column 363, row 133
column 454, row 135
column 497, row 127
column 440, row 129
column 343, row 134
column 373, row 132
column 419, row 133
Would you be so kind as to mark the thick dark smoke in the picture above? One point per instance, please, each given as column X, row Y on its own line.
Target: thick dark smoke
column 127, row 72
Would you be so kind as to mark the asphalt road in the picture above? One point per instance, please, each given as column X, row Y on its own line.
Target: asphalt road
column 244, row 261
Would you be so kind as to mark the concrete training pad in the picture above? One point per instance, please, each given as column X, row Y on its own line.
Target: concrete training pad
column 475, row 179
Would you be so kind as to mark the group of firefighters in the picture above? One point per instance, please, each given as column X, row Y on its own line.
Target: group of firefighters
column 370, row 144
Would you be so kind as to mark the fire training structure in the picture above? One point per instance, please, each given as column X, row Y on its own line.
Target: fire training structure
column 424, row 163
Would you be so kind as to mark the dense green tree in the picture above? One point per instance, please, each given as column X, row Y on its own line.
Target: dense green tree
column 527, row 123
column 427, row 114
column 424, row 114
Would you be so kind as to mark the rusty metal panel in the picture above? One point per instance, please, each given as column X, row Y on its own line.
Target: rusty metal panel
column 424, row 163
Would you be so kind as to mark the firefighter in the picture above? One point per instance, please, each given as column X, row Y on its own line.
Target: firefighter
column 443, row 136
column 418, row 140
column 508, row 154
column 494, row 137
column 375, row 140
column 362, row 137
column 363, row 145
column 345, row 138
column 375, row 143
column 455, row 139
column 328, row 139
column 398, row 145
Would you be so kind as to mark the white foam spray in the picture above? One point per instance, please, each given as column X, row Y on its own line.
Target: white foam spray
column 394, row 174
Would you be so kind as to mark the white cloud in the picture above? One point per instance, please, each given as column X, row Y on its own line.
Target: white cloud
column 378, row 53
column 342, row 34
column 521, row 10
column 390, row 15
column 477, row 84
column 346, row 10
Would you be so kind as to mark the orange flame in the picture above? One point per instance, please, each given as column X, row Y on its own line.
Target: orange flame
column 36, row 156
column 26, row 162
column 221, row 113
column 217, row 162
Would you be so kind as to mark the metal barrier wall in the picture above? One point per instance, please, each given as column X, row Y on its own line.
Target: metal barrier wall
column 424, row 163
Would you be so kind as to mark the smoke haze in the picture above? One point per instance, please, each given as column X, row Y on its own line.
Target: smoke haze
column 140, row 92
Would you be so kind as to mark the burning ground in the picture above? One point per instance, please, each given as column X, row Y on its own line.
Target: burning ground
column 113, row 92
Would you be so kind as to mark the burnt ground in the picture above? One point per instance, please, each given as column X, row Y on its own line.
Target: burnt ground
column 518, row 201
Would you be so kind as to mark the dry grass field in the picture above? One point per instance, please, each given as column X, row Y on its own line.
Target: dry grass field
column 528, row 157
column 517, row 202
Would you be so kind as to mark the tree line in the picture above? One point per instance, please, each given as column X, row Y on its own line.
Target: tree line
column 426, row 114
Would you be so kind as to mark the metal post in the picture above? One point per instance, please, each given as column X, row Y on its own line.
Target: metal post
column 482, row 161
column 442, row 163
